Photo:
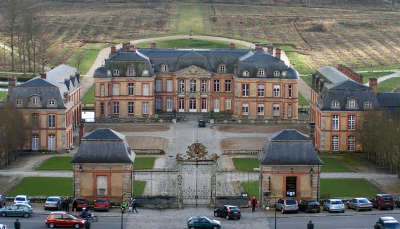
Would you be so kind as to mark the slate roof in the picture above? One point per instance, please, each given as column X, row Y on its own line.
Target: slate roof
column 289, row 147
column 65, row 77
column 334, row 76
column 104, row 146
column 389, row 99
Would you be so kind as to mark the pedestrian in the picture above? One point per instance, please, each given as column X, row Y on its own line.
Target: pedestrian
column 62, row 205
column 74, row 206
column 67, row 202
column 123, row 206
column 133, row 205
column 253, row 203
column 17, row 224
column 87, row 224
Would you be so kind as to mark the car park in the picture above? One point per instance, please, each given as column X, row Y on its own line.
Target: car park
column 53, row 202
column 2, row 201
column 101, row 204
column 383, row 201
column 387, row 222
column 334, row 205
column 81, row 203
column 287, row 205
column 311, row 206
column 228, row 212
column 15, row 210
column 203, row 222
column 63, row 219
column 359, row 204
column 21, row 199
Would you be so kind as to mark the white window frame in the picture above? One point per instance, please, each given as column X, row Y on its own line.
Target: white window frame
column 245, row 89
column 335, row 143
column 351, row 103
column 246, row 73
column 228, row 85
column 181, row 86
column 131, row 71
column 169, row 86
column 102, row 90
column 164, row 68
column 158, row 85
column 192, row 105
column 181, row 105
column 52, row 102
column 367, row 105
column 131, row 89
column 19, row 102
column 102, row 111
column 290, row 90
column 145, row 108
column 192, row 85
column 351, row 122
column 35, row 100
column 277, row 91
column 260, row 90
column 116, row 89
column 228, row 104
column 276, row 110
column 216, row 86
column 115, row 108
column 51, row 142
column 245, row 109
column 335, row 122
column 277, row 73
column 261, row 72
column 203, row 104
column 158, row 103
column 351, row 143
column 35, row 142
column 260, row 109
column 145, row 89
column 115, row 72
column 216, row 105
column 169, row 104
column 221, row 68
column 51, row 122
column 131, row 107
column 335, row 104
column 203, row 86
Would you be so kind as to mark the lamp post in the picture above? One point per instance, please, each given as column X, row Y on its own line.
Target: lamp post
column 311, row 180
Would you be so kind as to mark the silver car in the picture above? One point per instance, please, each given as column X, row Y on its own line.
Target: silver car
column 334, row 205
column 53, row 202
column 359, row 204
column 287, row 205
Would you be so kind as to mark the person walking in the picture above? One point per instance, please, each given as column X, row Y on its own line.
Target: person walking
column 253, row 203
column 133, row 205
column 62, row 204
column 67, row 202
column 17, row 224
column 74, row 206
column 87, row 224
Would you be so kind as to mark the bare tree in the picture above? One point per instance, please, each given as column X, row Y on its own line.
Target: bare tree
column 11, row 15
column 78, row 59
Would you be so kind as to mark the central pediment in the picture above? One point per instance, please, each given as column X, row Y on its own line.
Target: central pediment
column 193, row 71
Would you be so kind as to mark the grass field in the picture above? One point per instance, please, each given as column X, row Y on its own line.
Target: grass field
column 332, row 164
column 3, row 95
column 191, row 18
column 188, row 44
column 57, row 163
column 368, row 75
column 389, row 85
column 88, row 98
column 251, row 187
column 138, row 187
column 245, row 164
column 303, row 101
column 43, row 186
column 144, row 162
column 88, row 53
column 347, row 188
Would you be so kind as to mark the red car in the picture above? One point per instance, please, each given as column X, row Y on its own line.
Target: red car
column 101, row 204
column 63, row 219
column 383, row 201
column 81, row 203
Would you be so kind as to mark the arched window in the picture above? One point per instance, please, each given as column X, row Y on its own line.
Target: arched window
column 335, row 104
column 351, row 103
column 221, row 68
column 115, row 72
column 246, row 73
column 367, row 105
column 131, row 71
column 35, row 100
column 261, row 72
column 277, row 73
column 164, row 68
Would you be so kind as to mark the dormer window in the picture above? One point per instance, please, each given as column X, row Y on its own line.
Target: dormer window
column 130, row 71
column 145, row 72
column 35, row 100
column 221, row 68
column 284, row 73
column 351, row 104
column 277, row 73
column 116, row 72
column 367, row 105
column 261, row 72
column 52, row 102
column 164, row 68
column 246, row 73
column 19, row 102
column 335, row 104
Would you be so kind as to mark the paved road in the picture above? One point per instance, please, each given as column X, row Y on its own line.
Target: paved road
column 396, row 74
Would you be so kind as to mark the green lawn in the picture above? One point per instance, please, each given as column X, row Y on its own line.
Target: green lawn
column 368, row 75
column 57, row 163
column 189, row 43
column 144, row 162
column 389, row 85
column 245, row 164
column 44, row 186
column 307, row 79
column 332, row 164
column 3, row 95
column 251, row 187
column 300, row 61
column 303, row 101
column 382, row 67
column 191, row 18
column 138, row 187
column 88, row 55
column 346, row 188
column 88, row 98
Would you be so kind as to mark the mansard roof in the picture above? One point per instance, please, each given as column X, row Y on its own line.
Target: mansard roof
column 389, row 99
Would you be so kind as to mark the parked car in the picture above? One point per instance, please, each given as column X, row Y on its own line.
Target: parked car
column 334, row 205
column 81, row 203
column 383, row 201
column 203, row 222
column 24, row 205
column 15, row 210
column 287, row 205
column 387, row 222
column 63, row 219
column 21, row 199
column 310, row 206
column 228, row 212
column 101, row 204
column 53, row 202
column 359, row 204
column 3, row 226
column 2, row 202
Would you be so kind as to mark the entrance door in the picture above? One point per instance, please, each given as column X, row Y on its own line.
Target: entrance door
column 101, row 188
column 35, row 142
column 291, row 186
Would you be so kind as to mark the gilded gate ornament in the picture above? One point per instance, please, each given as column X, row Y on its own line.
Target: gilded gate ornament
column 196, row 152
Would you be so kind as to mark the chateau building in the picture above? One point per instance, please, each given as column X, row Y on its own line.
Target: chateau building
column 338, row 102
column 51, row 105
column 244, row 83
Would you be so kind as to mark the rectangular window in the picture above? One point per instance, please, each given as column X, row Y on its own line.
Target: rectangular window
column 245, row 109
column 131, row 88
column 169, row 85
column 158, row 85
column 35, row 142
column 260, row 109
column 169, row 104
column 116, row 107
column 131, row 107
column 101, row 183
column 192, row 85
column 227, row 85
column 192, row 104
column 290, row 90
column 216, row 85
column 216, row 105
column 102, row 90
column 276, row 110
column 158, row 104
column 51, row 142
column 145, row 90
column 245, row 90
column 102, row 108
column 260, row 90
column 351, row 122
column 335, row 122
column 35, row 121
column 277, row 90
column 351, row 143
column 289, row 110
column 203, row 86
column 52, row 120
column 145, row 108
column 335, row 143
column 203, row 104
column 181, row 86
column 227, row 104
column 181, row 105
column 115, row 89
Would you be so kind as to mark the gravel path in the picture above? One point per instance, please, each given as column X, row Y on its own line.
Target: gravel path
column 396, row 74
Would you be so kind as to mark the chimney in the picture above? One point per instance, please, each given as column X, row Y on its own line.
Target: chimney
column 131, row 48
column 271, row 49
column 113, row 51
column 349, row 73
column 81, row 130
column 232, row 45
column 373, row 83
column 43, row 75
column 153, row 45
column 125, row 47
column 312, row 132
column 12, row 82
column 278, row 53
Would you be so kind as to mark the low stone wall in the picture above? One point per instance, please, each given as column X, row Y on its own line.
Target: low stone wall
column 239, row 201
column 157, row 202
